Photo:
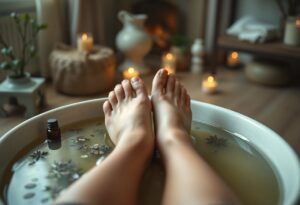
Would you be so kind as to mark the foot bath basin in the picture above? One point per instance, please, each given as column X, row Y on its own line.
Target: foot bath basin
column 272, row 147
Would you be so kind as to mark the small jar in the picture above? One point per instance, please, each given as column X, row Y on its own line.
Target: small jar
column 53, row 130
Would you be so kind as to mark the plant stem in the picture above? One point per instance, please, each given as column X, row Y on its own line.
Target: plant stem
column 12, row 57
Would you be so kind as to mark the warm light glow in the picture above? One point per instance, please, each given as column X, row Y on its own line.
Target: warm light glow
column 210, row 79
column 169, row 56
column 131, row 70
column 209, row 85
column 130, row 73
column 235, row 55
column 84, row 36
column 298, row 22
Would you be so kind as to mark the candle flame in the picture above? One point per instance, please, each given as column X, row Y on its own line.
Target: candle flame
column 169, row 56
column 235, row 55
column 298, row 22
column 210, row 79
column 131, row 70
column 84, row 36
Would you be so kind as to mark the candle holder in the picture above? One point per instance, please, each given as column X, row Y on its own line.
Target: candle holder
column 233, row 60
column 85, row 42
column 209, row 84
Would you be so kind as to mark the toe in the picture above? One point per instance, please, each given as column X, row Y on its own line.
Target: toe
column 159, row 81
column 188, row 101
column 107, row 108
column 183, row 96
column 119, row 92
column 177, row 91
column 127, row 89
column 171, row 83
column 112, row 99
column 139, row 87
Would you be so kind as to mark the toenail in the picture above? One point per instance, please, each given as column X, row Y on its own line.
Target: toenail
column 162, row 72
column 125, row 81
column 134, row 79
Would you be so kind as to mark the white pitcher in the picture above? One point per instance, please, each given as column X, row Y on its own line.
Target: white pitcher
column 133, row 41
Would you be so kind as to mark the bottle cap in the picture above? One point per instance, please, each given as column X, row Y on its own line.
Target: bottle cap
column 52, row 123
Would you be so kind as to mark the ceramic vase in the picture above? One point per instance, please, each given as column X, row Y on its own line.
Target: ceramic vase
column 133, row 41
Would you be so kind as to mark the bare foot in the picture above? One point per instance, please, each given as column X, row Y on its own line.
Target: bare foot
column 171, row 106
column 128, row 114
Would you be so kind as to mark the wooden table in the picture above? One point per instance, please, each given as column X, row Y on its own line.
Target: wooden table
column 277, row 108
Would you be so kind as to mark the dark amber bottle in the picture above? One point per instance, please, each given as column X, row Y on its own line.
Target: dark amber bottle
column 53, row 130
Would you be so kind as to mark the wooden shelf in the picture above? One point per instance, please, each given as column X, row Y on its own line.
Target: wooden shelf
column 274, row 50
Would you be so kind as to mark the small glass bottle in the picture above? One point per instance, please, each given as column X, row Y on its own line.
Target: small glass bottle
column 53, row 130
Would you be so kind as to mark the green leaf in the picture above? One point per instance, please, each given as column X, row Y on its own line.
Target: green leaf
column 5, row 66
column 6, row 51
column 32, row 51
column 16, row 63
column 16, row 17
column 25, row 18
column 42, row 26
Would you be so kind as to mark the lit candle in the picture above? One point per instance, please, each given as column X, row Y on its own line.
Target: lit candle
column 292, row 31
column 169, row 62
column 130, row 73
column 85, row 42
column 233, row 59
column 209, row 85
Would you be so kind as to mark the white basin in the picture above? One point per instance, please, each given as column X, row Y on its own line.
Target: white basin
column 284, row 159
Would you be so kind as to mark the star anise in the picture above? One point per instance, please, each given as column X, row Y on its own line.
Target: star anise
column 37, row 155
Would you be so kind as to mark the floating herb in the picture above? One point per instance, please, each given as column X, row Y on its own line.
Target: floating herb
column 66, row 171
column 29, row 195
column 54, row 191
column 37, row 155
column 97, row 149
column 30, row 186
column 80, row 139
column 216, row 141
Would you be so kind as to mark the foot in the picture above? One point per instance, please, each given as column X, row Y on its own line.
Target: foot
column 128, row 115
column 171, row 107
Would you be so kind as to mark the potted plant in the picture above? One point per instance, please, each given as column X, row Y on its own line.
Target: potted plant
column 14, row 65
column 289, row 10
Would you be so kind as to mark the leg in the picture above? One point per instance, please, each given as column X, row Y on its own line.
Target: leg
column 190, row 180
column 129, row 124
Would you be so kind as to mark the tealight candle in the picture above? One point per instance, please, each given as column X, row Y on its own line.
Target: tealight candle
column 169, row 62
column 209, row 85
column 85, row 42
column 130, row 73
column 233, row 59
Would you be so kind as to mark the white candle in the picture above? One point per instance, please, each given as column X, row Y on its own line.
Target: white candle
column 233, row 59
column 169, row 62
column 209, row 85
column 85, row 42
column 292, row 32
column 130, row 73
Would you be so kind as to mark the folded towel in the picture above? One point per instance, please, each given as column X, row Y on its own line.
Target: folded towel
column 250, row 29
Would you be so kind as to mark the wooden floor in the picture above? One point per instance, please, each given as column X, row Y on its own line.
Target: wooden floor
column 277, row 108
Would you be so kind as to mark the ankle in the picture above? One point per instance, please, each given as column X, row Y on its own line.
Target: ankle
column 174, row 138
column 139, row 142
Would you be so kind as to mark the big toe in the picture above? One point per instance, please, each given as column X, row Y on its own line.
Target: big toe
column 139, row 87
column 159, row 82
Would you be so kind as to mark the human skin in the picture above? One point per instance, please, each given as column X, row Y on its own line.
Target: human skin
column 189, row 179
column 129, row 123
